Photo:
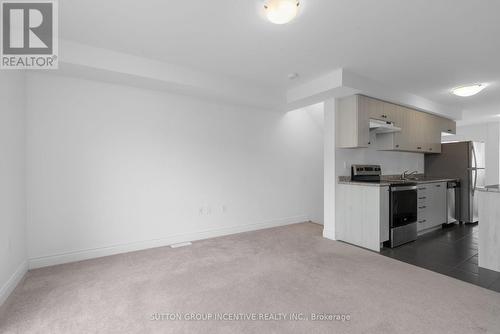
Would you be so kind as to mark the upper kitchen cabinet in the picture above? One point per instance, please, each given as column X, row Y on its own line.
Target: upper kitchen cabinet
column 399, row 140
column 353, row 122
column 448, row 126
column 380, row 110
column 420, row 132
column 427, row 132
column 408, row 129
column 433, row 142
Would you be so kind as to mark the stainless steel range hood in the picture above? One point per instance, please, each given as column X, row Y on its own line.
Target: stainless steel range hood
column 377, row 126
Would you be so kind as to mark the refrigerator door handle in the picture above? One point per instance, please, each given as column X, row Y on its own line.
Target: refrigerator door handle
column 475, row 182
column 474, row 155
column 474, row 168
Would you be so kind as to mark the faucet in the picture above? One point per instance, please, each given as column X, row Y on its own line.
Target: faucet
column 407, row 174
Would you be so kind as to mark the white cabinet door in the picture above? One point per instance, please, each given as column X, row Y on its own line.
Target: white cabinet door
column 448, row 126
column 362, row 215
column 404, row 121
column 431, row 205
column 352, row 122
column 436, row 204
column 432, row 131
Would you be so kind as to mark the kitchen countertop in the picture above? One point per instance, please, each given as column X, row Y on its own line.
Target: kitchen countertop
column 385, row 182
column 495, row 188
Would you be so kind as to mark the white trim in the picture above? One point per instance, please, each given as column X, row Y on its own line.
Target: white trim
column 182, row 244
column 329, row 234
column 55, row 259
column 13, row 281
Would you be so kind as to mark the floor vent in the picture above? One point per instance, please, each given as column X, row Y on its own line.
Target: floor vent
column 182, row 244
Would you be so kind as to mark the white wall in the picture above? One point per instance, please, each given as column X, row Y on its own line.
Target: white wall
column 12, row 182
column 114, row 168
column 303, row 130
column 489, row 133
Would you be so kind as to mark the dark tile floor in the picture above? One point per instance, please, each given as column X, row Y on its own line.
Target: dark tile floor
column 451, row 251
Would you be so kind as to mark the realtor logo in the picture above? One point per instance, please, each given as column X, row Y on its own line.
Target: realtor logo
column 29, row 34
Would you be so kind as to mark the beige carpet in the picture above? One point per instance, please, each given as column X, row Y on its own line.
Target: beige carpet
column 289, row 269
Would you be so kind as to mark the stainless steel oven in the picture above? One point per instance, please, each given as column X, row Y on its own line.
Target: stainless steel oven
column 403, row 213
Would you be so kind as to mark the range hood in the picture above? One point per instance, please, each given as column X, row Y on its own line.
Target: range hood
column 378, row 126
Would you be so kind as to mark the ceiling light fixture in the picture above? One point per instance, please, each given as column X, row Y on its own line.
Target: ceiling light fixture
column 281, row 11
column 466, row 91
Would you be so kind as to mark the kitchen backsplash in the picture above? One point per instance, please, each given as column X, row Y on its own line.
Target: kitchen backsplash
column 392, row 162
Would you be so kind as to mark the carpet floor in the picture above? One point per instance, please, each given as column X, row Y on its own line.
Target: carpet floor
column 284, row 278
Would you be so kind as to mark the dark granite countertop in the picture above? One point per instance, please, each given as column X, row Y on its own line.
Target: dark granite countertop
column 494, row 188
column 387, row 180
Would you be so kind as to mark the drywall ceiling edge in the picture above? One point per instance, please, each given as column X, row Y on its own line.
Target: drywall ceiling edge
column 105, row 65
column 341, row 82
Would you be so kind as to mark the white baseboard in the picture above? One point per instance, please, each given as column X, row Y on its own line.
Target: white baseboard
column 329, row 234
column 86, row 254
column 13, row 281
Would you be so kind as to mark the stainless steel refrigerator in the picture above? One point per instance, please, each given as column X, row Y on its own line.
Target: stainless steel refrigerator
column 463, row 161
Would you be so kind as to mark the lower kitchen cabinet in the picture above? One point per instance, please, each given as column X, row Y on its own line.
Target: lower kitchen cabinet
column 432, row 211
column 362, row 215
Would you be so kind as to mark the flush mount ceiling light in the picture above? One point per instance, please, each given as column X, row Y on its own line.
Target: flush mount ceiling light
column 470, row 90
column 281, row 11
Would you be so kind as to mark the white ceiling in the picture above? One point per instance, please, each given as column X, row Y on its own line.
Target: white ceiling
column 424, row 47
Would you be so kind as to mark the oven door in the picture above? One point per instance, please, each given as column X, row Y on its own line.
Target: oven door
column 403, row 209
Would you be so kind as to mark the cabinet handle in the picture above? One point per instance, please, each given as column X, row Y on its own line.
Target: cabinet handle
column 423, row 188
column 430, row 149
column 397, row 145
column 422, row 221
column 422, row 207
column 422, row 197
column 438, row 185
column 419, row 148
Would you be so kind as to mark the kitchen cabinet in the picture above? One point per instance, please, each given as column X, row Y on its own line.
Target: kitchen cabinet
column 448, row 126
column 362, row 215
column 397, row 141
column 433, row 144
column 380, row 110
column 353, row 122
column 420, row 131
column 489, row 230
column 425, row 133
column 431, row 205
column 417, row 130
